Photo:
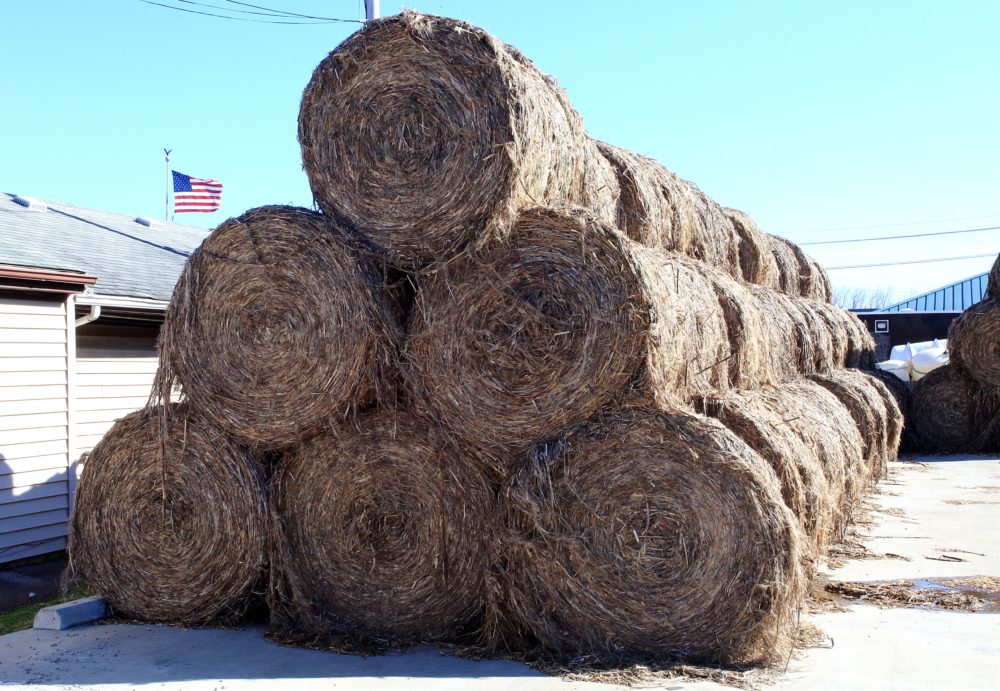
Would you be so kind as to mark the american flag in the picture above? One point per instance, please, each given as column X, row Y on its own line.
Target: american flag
column 196, row 194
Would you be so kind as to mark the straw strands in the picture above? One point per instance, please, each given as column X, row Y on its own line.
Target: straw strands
column 511, row 344
column 757, row 262
column 649, row 533
column 974, row 342
column 427, row 134
column 179, row 539
column 993, row 282
column 950, row 412
column 275, row 328
column 382, row 535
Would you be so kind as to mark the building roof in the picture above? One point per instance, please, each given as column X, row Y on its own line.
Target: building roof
column 130, row 259
column 956, row 297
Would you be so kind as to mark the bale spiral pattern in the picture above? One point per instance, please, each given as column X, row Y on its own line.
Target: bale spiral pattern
column 181, row 542
column 275, row 328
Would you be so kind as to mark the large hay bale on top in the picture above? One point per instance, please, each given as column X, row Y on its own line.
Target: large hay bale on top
column 951, row 413
column 427, row 134
column 382, row 535
column 510, row 346
column 649, row 534
column 974, row 342
column 180, row 538
column 275, row 328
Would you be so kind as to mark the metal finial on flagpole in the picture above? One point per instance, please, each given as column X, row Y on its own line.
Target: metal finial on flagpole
column 166, row 194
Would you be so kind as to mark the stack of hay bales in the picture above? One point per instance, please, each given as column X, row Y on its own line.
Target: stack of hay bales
column 612, row 419
column 956, row 408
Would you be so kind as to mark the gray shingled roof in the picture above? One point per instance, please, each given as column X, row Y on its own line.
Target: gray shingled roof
column 128, row 258
column 956, row 297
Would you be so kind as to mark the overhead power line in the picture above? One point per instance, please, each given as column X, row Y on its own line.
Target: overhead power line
column 889, row 225
column 291, row 19
column 912, row 261
column 901, row 237
column 289, row 14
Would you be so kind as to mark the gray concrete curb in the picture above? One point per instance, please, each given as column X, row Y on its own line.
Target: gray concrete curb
column 60, row 617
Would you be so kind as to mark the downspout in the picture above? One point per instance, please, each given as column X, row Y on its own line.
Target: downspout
column 95, row 313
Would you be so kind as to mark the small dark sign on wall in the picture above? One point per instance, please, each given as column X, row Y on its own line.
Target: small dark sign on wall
column 881, row 326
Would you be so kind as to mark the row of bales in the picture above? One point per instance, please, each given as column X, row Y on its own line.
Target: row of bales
column 512, row 388
column 957, row 409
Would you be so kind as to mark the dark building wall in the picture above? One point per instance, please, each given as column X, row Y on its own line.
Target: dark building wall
column 907, row 327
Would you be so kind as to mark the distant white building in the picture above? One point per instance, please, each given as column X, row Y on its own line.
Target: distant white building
column 82, row 296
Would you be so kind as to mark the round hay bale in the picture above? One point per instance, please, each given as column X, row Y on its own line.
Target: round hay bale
column 749, row 353
column 993, row 283
column 651, row 534
column 894, row 394
column 714, row 240
column 974, row 342
column 951, row 413
column 786, row 260
column 860, row 342
column 382, row 535
column 511, row 346
column 757, row 263
column 182, row 540
column 427, row 134
column 275, row 328
column 758, row 418
column 792, row 351
column 862, row 400
column 820, row 337
column 655, row 208
column 822, row 283
column 835, row 326
column 827, row 427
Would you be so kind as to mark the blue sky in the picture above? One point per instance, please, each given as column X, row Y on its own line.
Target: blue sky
column 820, row 120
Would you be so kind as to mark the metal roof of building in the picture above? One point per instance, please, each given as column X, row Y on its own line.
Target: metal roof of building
column 129, row 259
column 956, row 297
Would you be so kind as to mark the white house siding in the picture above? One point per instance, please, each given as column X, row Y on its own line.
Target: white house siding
column 115, row 367
column 37, row 350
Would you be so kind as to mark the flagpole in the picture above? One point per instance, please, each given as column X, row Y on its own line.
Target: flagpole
column 166, row 191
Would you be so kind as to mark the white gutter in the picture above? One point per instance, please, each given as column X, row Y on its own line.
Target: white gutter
column 123, row 302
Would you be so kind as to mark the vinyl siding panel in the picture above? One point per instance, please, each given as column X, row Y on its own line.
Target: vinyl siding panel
column 34, row 426
column 114, row 377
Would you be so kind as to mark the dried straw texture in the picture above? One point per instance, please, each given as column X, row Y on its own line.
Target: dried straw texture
column 823, row 421
column 757, row 263
column 951, row 413
column 993, row 282
column 181, row 541
column 894, row 400
column 827, row 428
column 382, row 536
column 759, row 419
column 275, row 328
column 974, row 342
column 799, row 275
column 511, row 346
column 787, row 262
column 427, row 134
column 645, row 534
column 793, row 351
column 851, row 342
column 655, row 207
column 859, row 395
